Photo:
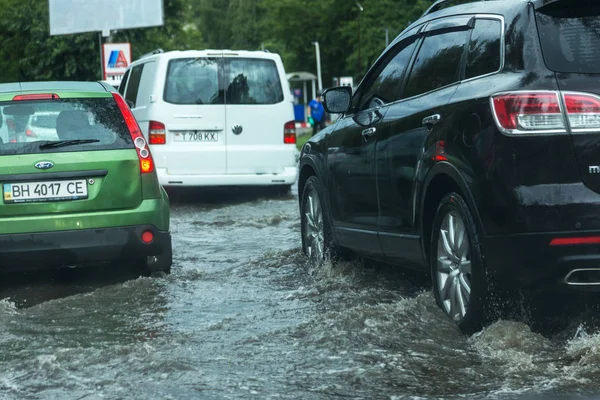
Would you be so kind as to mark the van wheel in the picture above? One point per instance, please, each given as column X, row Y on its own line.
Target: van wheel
column 457, row 265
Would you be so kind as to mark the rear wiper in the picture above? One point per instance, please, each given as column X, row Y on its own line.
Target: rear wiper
column 64, row 143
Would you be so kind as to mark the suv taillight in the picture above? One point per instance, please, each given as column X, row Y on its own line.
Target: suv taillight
column 156, row 133
column 141, row 146
column 289, row 132
column 522, row 113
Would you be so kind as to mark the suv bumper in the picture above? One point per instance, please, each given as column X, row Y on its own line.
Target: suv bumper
column 31, row 251
column 529, row 261
column 287, row 177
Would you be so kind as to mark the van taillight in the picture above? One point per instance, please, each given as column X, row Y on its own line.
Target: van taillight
column 156, row 133
column 289, row 132
column 141, row 146
column 30, row 133
column 523, row 113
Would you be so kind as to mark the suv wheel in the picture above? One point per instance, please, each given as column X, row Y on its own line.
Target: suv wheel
column 457, row 266
column 316, row 233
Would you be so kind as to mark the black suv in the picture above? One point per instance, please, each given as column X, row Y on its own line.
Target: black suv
column 470, row 149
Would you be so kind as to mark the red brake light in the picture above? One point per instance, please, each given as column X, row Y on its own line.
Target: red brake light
column 289, row 132
column 575, row 240
column 156, row 133
column 518, row 113
column 36, row 96
column 29, row 133
column 141, row 146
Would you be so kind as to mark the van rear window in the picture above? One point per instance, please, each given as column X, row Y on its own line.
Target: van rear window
column 253, row 81
column 570, row 37
column 222, row 81
column 193, row 81
column 45, row 126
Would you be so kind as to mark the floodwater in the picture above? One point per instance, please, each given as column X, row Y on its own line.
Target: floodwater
column 243, row 316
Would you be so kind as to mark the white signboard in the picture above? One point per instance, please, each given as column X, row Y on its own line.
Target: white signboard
column 116, row 57
column 346, row 81
column 76, row 16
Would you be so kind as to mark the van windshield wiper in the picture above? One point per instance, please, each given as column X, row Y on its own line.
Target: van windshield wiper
column 64, row 143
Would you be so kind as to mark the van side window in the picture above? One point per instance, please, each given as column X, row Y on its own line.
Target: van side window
column 253, row 81
column 484, row 48
column 123, row 83
column 193, row 81
column 134, row 83
column 386, row 86
column 437, row 63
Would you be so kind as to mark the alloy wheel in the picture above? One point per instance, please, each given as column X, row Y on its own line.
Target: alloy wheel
column 313, row 227
column 454, row 266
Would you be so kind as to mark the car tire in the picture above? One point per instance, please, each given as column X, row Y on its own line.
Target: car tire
column 460, row 285
column 158, row 266
column 317, row 239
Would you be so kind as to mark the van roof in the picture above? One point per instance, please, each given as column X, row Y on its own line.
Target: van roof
column 207, row 53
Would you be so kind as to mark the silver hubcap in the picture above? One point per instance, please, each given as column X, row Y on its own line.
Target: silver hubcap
column 313, row 227
column 454, row 267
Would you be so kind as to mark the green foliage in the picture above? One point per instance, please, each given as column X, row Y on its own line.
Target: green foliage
column 287, row 27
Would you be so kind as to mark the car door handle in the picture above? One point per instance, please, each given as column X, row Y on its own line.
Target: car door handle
column 428, row 122
column 368, row 132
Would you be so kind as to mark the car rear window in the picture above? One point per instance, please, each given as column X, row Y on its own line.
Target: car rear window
column 96, row 119
column 570, row 37
column 193, row 81
column 253, row 81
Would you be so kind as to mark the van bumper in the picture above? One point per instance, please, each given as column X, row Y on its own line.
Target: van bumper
column 287, row 177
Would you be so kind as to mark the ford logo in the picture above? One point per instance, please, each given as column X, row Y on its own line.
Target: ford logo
column 44, row 165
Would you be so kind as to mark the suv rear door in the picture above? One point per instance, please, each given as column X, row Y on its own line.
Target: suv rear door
column 570, row 39
column 256, row 112
column 194, row 117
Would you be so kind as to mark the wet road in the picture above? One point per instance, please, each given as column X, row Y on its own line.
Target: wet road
column 244, row 317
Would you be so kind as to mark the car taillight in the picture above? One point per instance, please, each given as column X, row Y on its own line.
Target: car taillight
column 156, row 133
column 141, row 146
column 522, row 113
column 289, row 132
column 583, row 110
column 30, row 133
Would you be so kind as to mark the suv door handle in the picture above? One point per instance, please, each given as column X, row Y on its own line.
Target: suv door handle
column 428, row 122
column 366, row 133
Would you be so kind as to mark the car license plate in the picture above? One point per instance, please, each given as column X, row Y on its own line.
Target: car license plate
column 29, row 192
column 196, row 136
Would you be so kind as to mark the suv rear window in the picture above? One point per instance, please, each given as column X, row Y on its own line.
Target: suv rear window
column 38, row 126
column 570, row 37
column 193, row 81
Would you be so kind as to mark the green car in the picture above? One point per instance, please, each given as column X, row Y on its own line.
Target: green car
column 86, row 192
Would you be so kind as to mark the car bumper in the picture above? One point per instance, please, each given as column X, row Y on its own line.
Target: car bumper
column 32, row 251
column 287, row 177
column 530, row 261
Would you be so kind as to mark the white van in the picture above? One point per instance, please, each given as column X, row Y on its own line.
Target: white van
column 215, row 117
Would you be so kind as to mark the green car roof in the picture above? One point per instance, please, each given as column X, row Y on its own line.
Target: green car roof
column 64, row 89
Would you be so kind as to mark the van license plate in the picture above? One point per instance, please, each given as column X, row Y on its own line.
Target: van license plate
column 196, row 136
column 29, row 192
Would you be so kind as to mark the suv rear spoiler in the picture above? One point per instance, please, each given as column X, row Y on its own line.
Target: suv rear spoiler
column 538, row 4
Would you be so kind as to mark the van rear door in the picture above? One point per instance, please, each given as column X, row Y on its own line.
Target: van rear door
column 194, row 110
column 258, row 105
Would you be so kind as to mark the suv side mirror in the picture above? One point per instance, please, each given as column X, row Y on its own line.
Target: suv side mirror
column 337, row 100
